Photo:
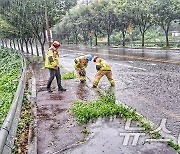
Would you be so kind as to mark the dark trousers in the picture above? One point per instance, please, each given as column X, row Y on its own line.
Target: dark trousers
column 54, row 73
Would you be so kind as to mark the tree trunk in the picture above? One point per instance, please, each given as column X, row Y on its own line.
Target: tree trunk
column 95, row 39
column 43, row 53
column 31, row 42
column 37, row 51
column 6, row 43
column 14, row 44
column 2, row 42
column 142, row 39
column 108, row 39
column 166, row 31
column 18, row 44
column 123, row 33
column 10, row 43
column 27, row 50
column 43, row 36
column 167, row 38
column 21, row 45
column 76, row 37
column 68, row 40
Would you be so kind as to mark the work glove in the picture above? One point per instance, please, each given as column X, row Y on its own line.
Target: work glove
column 98, row 67
column 82, row 73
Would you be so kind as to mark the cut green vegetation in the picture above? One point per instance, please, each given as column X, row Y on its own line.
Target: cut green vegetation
column 10, row 66
column 174, row 146
column 85, row 131
column 103, row 107
column 106, row 106
column 68, row 75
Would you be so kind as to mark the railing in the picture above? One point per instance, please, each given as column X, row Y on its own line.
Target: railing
column 129, row 43
column 9, row 127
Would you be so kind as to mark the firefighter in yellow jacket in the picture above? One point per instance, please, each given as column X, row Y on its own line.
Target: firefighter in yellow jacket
column 103, row 68
column 52, row 63
column 80, row 65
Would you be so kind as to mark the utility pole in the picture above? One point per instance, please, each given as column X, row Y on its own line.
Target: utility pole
column 47, row 26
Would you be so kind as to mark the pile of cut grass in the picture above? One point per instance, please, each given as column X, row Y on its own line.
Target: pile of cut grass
column 103, row 107
column 68, row 75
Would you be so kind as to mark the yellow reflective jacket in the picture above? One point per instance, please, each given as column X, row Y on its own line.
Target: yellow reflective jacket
column 102, row 64
column 52, row 58
column 81, row 62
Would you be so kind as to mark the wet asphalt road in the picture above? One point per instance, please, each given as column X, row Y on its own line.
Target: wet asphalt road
column 166, row 54
column 151, row 87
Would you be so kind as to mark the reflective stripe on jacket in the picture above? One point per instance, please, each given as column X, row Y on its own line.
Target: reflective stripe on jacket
column 104, row 66
column 52, row 58
column 81, row 62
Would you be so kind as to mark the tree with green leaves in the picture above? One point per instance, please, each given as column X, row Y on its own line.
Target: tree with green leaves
column 123, row 17
column 28, row 17
column 164, row 13
column 141, row 15
column 108, row 18
column 96, row 20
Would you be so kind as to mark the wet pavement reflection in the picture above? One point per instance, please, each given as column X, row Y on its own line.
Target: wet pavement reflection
column 168, row 54
column 107, row 136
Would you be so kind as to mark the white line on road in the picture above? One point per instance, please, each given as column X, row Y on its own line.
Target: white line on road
column 130, row 62
column 131, row 66
column 153, row 64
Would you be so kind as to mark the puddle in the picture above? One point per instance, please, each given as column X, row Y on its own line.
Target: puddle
column 107, row 137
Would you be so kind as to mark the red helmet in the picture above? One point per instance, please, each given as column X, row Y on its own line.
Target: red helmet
column 56, row 44
column 95, row 57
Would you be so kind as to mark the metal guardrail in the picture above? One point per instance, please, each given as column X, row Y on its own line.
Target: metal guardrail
column 133, row 42
column 9, row 127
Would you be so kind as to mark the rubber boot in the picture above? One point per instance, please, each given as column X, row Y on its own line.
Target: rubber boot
column 61, row 89
column 49, row 90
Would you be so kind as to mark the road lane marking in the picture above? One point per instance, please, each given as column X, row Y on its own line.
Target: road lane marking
column 130, row 66
column 130, row 62
column 129, row 57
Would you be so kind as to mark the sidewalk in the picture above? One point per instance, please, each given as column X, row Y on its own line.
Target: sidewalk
column 56, row 128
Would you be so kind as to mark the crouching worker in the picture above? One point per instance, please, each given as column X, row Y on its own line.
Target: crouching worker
column 52, row 63
column 80, row 64
column 103, row 68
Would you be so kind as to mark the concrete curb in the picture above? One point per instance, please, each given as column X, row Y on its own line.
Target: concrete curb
column 153, row 126
column 32, row 139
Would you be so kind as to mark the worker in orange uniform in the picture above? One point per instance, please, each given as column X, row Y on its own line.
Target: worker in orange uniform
column 103, row 68
column 52, row 63
column 80, row 65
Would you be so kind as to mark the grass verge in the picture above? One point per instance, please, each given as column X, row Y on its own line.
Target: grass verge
column 68, row 75
column 10, row 71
